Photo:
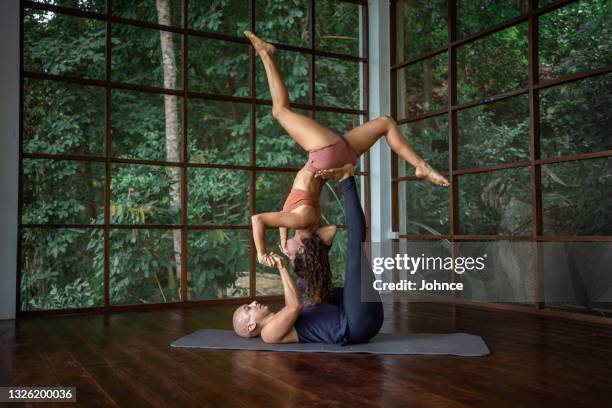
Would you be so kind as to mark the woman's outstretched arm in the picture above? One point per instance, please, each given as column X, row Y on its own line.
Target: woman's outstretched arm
column 282, row 231
column 327, row 233
column 271, row 220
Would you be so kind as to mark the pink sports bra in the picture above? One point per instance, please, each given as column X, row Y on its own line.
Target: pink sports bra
column 298, row 197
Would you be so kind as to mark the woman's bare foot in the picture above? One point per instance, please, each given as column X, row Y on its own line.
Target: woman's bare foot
column 339, row 173
column 425, row 171
column 260, row 45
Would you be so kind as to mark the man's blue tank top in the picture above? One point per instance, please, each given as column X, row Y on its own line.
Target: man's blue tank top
column 322, row 323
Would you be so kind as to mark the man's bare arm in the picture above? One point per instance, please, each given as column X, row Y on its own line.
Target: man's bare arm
column 280, row 329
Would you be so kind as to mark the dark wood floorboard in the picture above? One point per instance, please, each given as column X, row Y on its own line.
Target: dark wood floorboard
column 124, row 359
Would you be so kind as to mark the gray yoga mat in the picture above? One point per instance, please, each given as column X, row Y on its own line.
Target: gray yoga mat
column 455, row 344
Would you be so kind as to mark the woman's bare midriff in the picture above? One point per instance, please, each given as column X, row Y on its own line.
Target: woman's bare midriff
column 305, row 180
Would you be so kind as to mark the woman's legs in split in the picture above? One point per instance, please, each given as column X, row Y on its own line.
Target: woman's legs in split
column 364, row 136
column 308, row 133
column 364, row 318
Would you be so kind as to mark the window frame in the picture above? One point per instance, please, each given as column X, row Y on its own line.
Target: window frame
column 531, row 17
column 185, row 94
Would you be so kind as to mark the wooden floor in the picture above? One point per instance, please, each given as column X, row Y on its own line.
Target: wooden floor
column 125, row 360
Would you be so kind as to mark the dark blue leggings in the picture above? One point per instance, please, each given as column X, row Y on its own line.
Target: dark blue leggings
column 364, row 318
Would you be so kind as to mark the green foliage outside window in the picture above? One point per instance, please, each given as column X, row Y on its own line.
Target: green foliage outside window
column 574, row 118
column 63, row 267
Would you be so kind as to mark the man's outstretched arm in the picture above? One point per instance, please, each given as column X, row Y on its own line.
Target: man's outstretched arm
column 280, row 329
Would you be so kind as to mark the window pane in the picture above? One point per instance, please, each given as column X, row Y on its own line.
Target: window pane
column 421, row 27
column 218, row 67
column 493, row 65
column 475, row 16
column 272, row 190
column 61, row 268
column 219, row 132
column 494, row 133
column 218, row 196
column 577, row 197
column 227, row 16
column 575, row 38
column 337, row 83
column 275, row 148
column 426, row 208
column 219, row 264
column 63, row 45
column 422, row 87
column 138, row 53
column 144, row 266
column 63, row 192
column 337, row 26
column 283, row 21
column 62, row 118
column 149, row 11
column 97, row 6
column 495, row 203
column 294, row 68
column 577, row 276
column 146, row 126
column 429, row 139
column 145, row 194
column 340, row 123
column 576, row 117
column 508, row 273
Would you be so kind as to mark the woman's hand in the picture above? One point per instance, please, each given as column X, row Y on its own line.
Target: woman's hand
column 266, row 260
column 283, row 248
column 278, row 261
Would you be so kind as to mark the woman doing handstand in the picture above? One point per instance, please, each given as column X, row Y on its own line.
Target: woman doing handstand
column 327, row 150
column 350, row 320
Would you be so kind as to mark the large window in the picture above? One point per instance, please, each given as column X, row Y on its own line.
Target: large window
column 511, row 100
column 147, row 141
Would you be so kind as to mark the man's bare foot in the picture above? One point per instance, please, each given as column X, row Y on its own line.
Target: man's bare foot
column 260, row 45
column 339, row 173
column 425, row 171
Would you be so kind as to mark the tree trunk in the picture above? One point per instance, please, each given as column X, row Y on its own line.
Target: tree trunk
column 172, row 123
column 427, row 77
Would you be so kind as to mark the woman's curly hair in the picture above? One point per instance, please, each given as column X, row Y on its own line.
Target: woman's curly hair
column 313, row 267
